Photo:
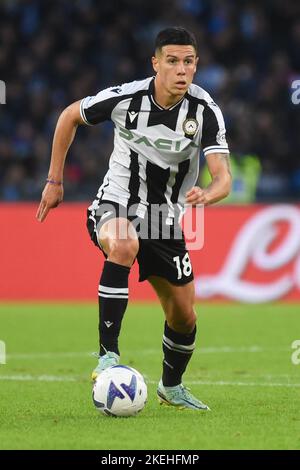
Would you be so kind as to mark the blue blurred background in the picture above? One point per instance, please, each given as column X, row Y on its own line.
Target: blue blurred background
column 55, row 52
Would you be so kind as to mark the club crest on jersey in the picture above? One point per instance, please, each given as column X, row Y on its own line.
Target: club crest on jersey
column 190, row 126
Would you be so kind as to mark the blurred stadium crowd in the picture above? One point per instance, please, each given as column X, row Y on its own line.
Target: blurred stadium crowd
column 53, row 52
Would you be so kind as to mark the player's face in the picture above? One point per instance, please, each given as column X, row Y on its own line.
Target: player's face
column 175, row 66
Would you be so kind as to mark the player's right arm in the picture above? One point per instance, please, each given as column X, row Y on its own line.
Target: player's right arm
column 90, row 110
column 64, row 134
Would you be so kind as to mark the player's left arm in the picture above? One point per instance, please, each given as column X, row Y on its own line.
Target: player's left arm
column 220, row 186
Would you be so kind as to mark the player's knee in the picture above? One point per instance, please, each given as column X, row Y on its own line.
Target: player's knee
column 189, row 323
column 192, row 320
column 184, row 321
column 123, row 251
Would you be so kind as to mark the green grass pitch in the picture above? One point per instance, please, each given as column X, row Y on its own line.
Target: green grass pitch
column 242, row 368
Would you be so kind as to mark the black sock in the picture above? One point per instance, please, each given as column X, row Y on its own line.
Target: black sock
column 113, row 299
column 178, row 349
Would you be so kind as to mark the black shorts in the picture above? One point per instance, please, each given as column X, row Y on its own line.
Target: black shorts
column 167, row 258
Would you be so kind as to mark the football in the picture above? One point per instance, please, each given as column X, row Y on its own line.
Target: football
column 120, row 391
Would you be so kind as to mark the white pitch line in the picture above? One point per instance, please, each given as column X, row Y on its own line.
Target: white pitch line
column 244, row 384
column 57, row 378
column 38, row 378
column 208, row 350
column 48, row 355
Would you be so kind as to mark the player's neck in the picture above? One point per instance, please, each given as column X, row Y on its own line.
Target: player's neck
column 164, row 98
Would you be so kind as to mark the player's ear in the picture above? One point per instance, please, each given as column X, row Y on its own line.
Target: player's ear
column 196, row 63
column 155, row 63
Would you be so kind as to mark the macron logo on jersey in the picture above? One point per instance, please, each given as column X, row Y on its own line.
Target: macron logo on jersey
column 116, row 90
column 132, row 116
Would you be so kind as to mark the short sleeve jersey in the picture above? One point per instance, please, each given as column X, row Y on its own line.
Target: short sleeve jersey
column 155, row 159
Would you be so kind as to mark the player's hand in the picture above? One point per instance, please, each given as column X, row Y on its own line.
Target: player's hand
column 52, row 196
column 196, row 196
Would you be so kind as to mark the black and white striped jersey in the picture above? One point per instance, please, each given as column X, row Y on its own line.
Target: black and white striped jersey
column 155, row 159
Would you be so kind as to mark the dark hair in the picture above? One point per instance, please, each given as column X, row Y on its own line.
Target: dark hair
column 175, row 35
